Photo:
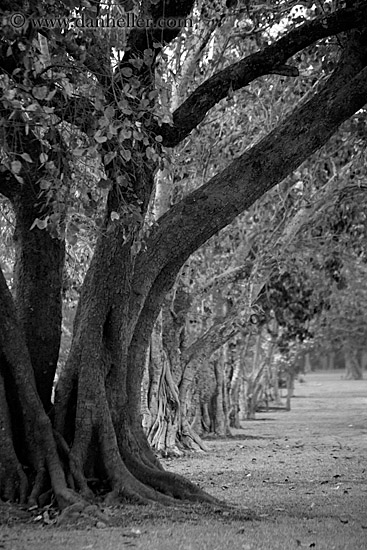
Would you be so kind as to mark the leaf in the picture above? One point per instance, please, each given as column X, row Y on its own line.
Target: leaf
column 32, row 107
column 137, row 63
column 125, row 134
column 40, row 92
column 123, row 181
column 43, row 158
column 41, row 224
column 16, row 166
column 138, row 135
column 50, row 96
column 26, row 157
column 45, row 184
column 99, row 138
column 109, row 112
column 124, row 108
column 127, row 71
column 78, row 152
column 126, row 154
column 108, row 157
column 115, row 216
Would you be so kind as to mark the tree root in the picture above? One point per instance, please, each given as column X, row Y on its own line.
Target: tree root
column 167, row 483
column 39, row 486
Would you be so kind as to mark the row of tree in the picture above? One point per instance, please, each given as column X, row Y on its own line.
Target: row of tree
column 122, row 154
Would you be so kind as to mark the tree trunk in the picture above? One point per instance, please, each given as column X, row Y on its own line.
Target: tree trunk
column 290, row 388
column 38, row 278
column 234, row 420
column 220, row 421
column 26, row 435
column 353, row 368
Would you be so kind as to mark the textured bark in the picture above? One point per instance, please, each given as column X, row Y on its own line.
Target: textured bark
column 39, row 260
column 30, row 429
column 38, row 276
column 236, row 383
column 220, row 420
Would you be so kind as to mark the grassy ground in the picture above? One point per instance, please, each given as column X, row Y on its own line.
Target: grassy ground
column 296, row 480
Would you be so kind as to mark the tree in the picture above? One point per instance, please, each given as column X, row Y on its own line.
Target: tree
column 69, row 98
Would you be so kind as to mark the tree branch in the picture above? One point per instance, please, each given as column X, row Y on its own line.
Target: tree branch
column 200, row 215
column 270, row 60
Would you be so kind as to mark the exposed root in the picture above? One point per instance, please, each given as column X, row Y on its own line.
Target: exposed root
column 167, row 483
column 190, row 439
column 67, row 497
column 39, row 486
column 76, row 470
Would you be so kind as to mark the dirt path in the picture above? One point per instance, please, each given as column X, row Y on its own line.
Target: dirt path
column 298, row 480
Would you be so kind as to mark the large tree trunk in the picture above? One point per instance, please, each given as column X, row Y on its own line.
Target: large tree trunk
column 38, row 277
column 26, row 436
column 39, row 260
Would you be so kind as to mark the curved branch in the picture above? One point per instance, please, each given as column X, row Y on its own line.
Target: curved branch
column 270, row 60
column 200, row 215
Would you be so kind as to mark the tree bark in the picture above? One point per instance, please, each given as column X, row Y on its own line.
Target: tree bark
column 28, row 437
column 38, row 278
